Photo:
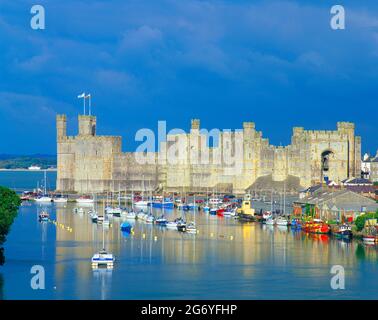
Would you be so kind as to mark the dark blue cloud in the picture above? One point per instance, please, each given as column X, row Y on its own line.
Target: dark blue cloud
column 277, row 63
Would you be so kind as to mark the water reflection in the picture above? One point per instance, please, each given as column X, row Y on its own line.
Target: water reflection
column 226, row 259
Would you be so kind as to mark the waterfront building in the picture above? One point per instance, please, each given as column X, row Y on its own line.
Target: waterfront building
column 331, row 204
column 90, row 163
column 369, row 167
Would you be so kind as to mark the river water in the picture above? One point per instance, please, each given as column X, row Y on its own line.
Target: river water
column 225, row 260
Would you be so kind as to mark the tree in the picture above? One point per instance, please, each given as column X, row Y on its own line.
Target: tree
column 360, row 221
column 9, row 203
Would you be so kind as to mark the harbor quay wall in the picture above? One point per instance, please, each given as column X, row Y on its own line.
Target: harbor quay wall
column 188, row 162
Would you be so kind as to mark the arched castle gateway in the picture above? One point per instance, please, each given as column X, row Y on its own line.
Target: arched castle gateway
column 91, row 163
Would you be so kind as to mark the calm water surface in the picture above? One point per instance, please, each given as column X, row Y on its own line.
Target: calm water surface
column 226, row 260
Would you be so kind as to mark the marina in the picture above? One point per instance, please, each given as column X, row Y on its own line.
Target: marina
column 242, row 260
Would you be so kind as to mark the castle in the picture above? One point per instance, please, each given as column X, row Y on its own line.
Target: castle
column 89, row 163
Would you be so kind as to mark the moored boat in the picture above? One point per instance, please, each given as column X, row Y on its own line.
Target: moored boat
column 342, row 231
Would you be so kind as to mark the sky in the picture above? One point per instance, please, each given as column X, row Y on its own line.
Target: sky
column 276, row 63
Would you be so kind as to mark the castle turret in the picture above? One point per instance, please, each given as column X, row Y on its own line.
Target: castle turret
column 61, row 126
column 87, row 125
column 348, row 129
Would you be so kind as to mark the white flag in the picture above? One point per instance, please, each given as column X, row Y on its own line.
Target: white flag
column 81, row 95
column 87, row 96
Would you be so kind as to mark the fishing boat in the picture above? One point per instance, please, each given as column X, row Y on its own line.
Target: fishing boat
column 191, row 228
column 342, row 231
column 161, row 220
column 206, row 208
column 246, row 212
column 100, row 219
column 43, row 216
column 270, row 221
column 316, row 226
column 163, row 204
column 126, row 227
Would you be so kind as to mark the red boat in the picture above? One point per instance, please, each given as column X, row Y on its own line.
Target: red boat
column 220, row 212
column 316, row 226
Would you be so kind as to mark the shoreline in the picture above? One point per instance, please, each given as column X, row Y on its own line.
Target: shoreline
column 22, row 170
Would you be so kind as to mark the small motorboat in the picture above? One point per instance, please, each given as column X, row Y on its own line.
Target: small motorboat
column 213, row 211
column 206, row 208
column 103, row 258
column 94, row 217
column 191, row 228
column 172, row 224
column 181, row 226
column 126, row 227
column 100, row 219
column 161, row 220
column 150, row 218
column 43, row 216
column 281, row 221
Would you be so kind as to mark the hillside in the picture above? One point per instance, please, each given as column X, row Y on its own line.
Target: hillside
column 24, row 161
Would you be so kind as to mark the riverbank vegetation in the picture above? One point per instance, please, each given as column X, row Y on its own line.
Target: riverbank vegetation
column 360, row 221
column 9, row 203
column 24, row 162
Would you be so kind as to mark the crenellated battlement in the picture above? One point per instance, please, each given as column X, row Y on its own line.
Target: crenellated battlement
column 100, row 160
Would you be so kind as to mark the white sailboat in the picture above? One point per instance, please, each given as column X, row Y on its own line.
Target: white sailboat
column 103, row 258
column 45, row 198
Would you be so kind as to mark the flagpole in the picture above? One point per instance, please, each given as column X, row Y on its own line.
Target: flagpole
column 90, row 97
column 84, row 104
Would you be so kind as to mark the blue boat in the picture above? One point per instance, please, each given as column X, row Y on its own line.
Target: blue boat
column 126, row 227
column 296, row 224
column 213, row 211
column 165, row 204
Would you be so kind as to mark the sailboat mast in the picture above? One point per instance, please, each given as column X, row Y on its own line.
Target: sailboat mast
column 103, row 228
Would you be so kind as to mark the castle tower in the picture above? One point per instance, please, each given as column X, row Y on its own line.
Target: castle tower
column 348, row 129
column 61, row 126
column 87, row 125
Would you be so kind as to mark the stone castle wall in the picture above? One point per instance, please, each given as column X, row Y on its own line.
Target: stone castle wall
column 89, row 163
